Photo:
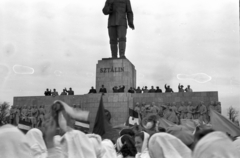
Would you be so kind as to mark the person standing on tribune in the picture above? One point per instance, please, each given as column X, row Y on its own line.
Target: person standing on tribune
column 120, row 14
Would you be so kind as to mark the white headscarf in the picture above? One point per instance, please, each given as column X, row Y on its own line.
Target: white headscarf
column 96, row 141
column 237, row 144
column 110, row 150
column 13, row 143
column 164, row 145
column 144, row 151
column 78, row 145
column 215, row 145
column 119, row 143
column 57, row 140
column 37, row 144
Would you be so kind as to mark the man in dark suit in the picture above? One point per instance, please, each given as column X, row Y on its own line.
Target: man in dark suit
column 152, row 90
column 115, row 89
column 92, row 90
column 103, row 90
column 158, row 90
column 121, row 89
column 138, row 90
column 120, row 13
column 168, row 89
column 131, row 90
column 64, row 92
column 70, row 91
column 54, row 93
column 180, row 88
column 47, row 93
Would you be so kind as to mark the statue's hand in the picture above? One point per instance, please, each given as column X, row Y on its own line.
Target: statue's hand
column 131, row 26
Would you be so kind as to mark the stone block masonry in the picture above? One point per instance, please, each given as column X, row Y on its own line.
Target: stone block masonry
column 117, row 103
column 115, row 72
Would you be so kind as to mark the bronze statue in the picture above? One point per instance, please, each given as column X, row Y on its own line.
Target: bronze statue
column 120, row 13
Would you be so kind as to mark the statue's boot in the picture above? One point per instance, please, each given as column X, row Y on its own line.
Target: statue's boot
column 122, row 48
column 114, row 50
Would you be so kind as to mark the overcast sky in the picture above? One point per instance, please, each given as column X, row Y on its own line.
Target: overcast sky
column 57, row 43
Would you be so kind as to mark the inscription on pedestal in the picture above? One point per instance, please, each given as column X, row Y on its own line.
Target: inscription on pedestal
column 113, row 69
column 115, row 72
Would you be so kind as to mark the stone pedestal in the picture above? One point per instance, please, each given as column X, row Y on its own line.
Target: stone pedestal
column 115, row 72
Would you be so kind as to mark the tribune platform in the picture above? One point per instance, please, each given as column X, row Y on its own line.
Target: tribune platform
column 118, row 104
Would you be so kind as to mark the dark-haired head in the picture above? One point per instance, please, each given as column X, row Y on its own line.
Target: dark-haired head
column 128, row 148
column 200, row 134
column 161, row 129
column 127, row 131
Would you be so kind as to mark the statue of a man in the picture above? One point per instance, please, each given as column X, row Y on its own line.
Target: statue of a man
column 120, row 13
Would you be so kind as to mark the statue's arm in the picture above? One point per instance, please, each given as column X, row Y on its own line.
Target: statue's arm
column 129, row 13
column 107, row 8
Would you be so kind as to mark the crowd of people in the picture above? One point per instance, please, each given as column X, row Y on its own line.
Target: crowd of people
column 174, row 112
column 168, row 89
column 32, row 115
column 54, row 93
column 101, row 90
column 121, row 89
column 150, row 141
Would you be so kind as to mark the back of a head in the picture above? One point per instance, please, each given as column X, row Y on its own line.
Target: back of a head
column 237, row 143
column 110, row 150
column 13, row 143
column 127, row 131
column 161, row 129
column 35, row 137
column 215, row 144
column 96, row 142
column 201, row 133
column 126, row 146
column 167, row 146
